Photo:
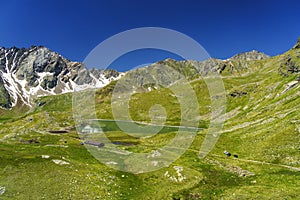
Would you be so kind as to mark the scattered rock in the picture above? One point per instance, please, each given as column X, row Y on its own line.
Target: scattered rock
column 233, row 169
column 166, row 173
column 2, row 190
column 180, row 178
column 31, row 141
column 240, row 171
column 290, row 85
column 45, row 156
column 60, row 162
column 111, row 163
column 154, row 163
column 56, row 145
column 155, row 153
column 178, row 170
column 238, row 93
column 288, row 67
column 194, row 196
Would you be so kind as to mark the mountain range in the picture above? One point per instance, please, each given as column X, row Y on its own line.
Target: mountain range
column 29, row 73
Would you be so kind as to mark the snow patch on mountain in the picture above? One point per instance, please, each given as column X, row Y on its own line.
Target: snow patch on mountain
column 37, row 71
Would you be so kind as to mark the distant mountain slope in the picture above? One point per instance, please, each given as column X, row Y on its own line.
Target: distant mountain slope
column 192, row 69
column 38, row 71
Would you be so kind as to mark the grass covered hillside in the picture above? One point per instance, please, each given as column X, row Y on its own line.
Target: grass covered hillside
column 42, row 156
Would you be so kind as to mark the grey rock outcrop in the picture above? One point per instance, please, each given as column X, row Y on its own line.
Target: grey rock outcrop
column 25, row 73
column 251, row 55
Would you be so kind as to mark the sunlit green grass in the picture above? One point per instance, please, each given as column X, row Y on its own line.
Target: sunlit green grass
column 262, row 125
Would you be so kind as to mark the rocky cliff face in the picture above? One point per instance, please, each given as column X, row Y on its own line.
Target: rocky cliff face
column 38, row 71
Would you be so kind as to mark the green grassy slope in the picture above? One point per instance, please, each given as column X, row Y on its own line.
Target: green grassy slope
column 262, row 128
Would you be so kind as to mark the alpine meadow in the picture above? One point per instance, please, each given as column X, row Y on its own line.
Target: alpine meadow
column 44, row 157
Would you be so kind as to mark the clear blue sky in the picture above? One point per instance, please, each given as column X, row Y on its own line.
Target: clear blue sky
column 224, row 28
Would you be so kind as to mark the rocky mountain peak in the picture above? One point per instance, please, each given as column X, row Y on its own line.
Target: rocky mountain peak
column 38, row 71
column 251, row 55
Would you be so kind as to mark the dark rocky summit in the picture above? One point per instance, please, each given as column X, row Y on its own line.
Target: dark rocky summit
column 25, row 73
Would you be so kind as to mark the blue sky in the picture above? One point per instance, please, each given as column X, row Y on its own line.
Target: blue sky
column 224, row 28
